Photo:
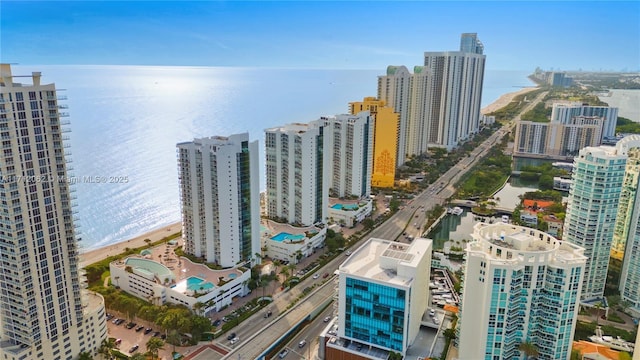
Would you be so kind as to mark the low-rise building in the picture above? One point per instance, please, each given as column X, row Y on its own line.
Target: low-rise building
column 554, row 226
column 529, row 217
column 178, row 280
column 281, row 241
column 349, row 212
column 561, row 184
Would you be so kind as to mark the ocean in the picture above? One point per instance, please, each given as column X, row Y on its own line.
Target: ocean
column 127, row 120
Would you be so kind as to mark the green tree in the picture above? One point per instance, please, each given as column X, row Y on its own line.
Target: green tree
column 450, row 334
column 153, row 346
column 85, row 356
column 528, row 349
column 173, row 338
column 138, row 356
column 106, row 347
column 624, row 356
column 576, row 355
column 368, row 223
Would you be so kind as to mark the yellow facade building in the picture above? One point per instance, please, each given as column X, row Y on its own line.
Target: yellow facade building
column 385, row 141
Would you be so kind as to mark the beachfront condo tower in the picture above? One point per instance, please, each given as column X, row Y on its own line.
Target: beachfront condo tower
column 220, row 198
column 350, row 150
column 439, row 104
column 297, row 157
column 452, row 104
column 520, row 286
column 626, row 235
column 385, row 139
column 44, row 313
column 382, row 297
column 592, row 207
column 394, row 89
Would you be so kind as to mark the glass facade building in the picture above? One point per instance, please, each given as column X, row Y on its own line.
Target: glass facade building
column 375, row 313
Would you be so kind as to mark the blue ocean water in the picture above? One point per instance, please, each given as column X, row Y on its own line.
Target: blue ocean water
column 126, row 121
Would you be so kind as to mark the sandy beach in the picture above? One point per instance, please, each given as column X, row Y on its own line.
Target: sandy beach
column 96, row 255
column 504, row 100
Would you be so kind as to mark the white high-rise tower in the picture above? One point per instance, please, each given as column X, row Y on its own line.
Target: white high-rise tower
column 297, row 187
column 219, row 188
column 351, row 154
column 455, row 92
column 44, row 314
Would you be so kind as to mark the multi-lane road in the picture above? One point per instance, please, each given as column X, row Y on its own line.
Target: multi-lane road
column 403, row 220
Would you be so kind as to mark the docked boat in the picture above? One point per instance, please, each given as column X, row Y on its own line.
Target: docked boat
column 617, row 343
column 457, row 211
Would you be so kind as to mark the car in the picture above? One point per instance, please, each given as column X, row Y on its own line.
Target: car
column 131, row 325
column 302, row 343
column 156, row 334
column 283, row 354
column 217, row 322
column 234, row 340
column 231, row 336
column 326, row 275
column 432, row 312
column 134, row 348
column 435, row 320
column 118, row 342
column 327, row 319
column 147, row 331
column 163, row 336
column 315, row 276
column 109, row 317
column 139, row 328
column 268, row 313
column 348, row 253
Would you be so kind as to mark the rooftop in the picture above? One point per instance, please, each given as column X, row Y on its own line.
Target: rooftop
column 163, row 261
column 379, row 259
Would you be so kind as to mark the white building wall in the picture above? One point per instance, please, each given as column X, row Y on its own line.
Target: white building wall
column 211, row 178
column 395, row 89
column 297, row 190
column 43, row 314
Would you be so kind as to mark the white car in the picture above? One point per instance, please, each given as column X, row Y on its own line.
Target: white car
column 315, row 276
column 234, row 340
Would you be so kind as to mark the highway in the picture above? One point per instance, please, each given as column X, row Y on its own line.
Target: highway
column 436, row 193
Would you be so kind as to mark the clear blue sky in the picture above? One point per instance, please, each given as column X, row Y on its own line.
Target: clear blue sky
column 517, row 35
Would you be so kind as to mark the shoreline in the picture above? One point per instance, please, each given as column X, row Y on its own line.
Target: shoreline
column 101, row 253
column 505, row 99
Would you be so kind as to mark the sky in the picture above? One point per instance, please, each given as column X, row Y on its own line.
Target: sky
column 517, row 35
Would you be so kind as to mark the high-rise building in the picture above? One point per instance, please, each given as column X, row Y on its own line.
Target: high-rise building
column 44, row 314
column 350, row 151
column 220, row 197
column 592, row 207
column 395, row 89
column 382, row 295
column 626, row 235
column 558, row 139
column 385, row 139
column 296, row 159
column 520, row 285
column 564, row 113
column 455, row 92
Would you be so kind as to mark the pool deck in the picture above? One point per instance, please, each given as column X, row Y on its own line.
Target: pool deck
column 275, row 228
column 335, row 201
column 182, row 267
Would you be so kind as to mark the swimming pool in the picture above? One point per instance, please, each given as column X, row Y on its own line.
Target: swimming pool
column 232, row 276
column 345, row 206
column 286, row 236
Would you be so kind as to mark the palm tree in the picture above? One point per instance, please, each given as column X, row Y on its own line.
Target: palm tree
column 292, row 268
column 198, row 306
column 148, row 241
column 138, row 356
column 528, row 349
column 107, row 346
column 264, row 282
column 153, row 346
column 285, row 271
column 598, row 306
